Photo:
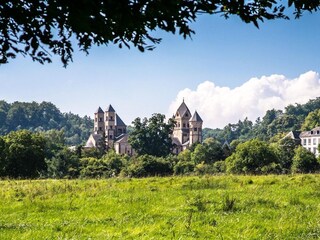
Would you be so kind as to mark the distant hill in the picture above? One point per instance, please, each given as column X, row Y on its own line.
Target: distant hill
column 274, row 122
column 42, row 117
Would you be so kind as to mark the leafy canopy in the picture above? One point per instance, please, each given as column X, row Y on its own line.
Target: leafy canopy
column 40, row 28
column 22, row 154
column 152, row 136
column 252, row 157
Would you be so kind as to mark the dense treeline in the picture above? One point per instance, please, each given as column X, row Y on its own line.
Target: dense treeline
column 26, row 154
column 293, row 118
column 259, row 148
column 42, row 117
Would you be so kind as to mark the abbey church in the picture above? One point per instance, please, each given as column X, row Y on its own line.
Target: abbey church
column 111, row 131
column 188, row 128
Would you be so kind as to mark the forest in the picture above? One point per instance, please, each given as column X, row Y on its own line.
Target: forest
column 44, row 116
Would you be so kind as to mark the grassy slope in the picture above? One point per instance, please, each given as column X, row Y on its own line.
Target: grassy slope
column 218, row 207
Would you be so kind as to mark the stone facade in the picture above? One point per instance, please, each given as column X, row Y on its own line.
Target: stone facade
column 187, row 130
column 109, row 127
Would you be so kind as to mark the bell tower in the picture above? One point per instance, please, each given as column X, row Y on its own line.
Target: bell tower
column 98, row 121
column 110, row 116
column 195, row 128
column 181, row 129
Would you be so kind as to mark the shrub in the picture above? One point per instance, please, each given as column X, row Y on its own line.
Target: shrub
column 253, row 157
column 182, row 168
column 203, row 168
column 219, row 167
column 146, row 165
column 304, row 161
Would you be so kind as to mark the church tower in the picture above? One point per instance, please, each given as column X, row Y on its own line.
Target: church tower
column 98, row 121
column 195, row 129
column 181, row 129
column 110, row 117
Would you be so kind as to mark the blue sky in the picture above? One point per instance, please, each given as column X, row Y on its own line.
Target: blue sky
column 225, row 53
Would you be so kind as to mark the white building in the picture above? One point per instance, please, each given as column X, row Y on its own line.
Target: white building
column 311, row 140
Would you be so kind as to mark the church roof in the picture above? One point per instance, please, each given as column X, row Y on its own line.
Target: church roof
column 99, row 110
column 183, row 109
column 196, row 117
column 119, row 121
column 96, row 136
column 110, row 109
column 93, row 139
column 176, row 141
column 122, row 138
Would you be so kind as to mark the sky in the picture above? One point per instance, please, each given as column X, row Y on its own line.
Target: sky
column 229, row 70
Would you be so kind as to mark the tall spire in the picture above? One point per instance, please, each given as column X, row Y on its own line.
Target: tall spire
column 110, row 109
column 196, row 117
column 99, row 110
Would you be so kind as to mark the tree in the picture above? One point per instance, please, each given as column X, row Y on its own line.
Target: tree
column 39, row 28
column 284, row 149
column 152, row 136
column 311, row 121
column 253, row 157
column 24, row 154
column 147, row 165
column 3, row 162
column 304, row 161
column 208, row 152
column 184, row 164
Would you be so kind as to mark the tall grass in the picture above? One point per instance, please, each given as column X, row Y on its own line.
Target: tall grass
column 208, row 207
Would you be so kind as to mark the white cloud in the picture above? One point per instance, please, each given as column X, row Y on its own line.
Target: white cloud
column 219, row 106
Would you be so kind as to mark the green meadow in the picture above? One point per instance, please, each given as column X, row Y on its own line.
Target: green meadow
column 207, row 207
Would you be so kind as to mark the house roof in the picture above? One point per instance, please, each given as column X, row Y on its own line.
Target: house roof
column 196, row 117
column 313, row 132
column 110, row 109
column 183, row 109
column 293, row 135
column 226, row 144
column 99, row 110
column 119, row 121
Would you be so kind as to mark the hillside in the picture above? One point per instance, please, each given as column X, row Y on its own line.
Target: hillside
column 274, row 122
column 42, row 117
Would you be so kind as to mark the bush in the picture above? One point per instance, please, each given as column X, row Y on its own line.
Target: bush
column 252, row 157
column 93, row 168
column 146, row 165
column 219, row 167
column 110, row 165
column 183, row 168
column 304, row 161
column 203, row 168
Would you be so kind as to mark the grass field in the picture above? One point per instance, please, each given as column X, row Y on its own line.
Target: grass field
column 208, row 207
